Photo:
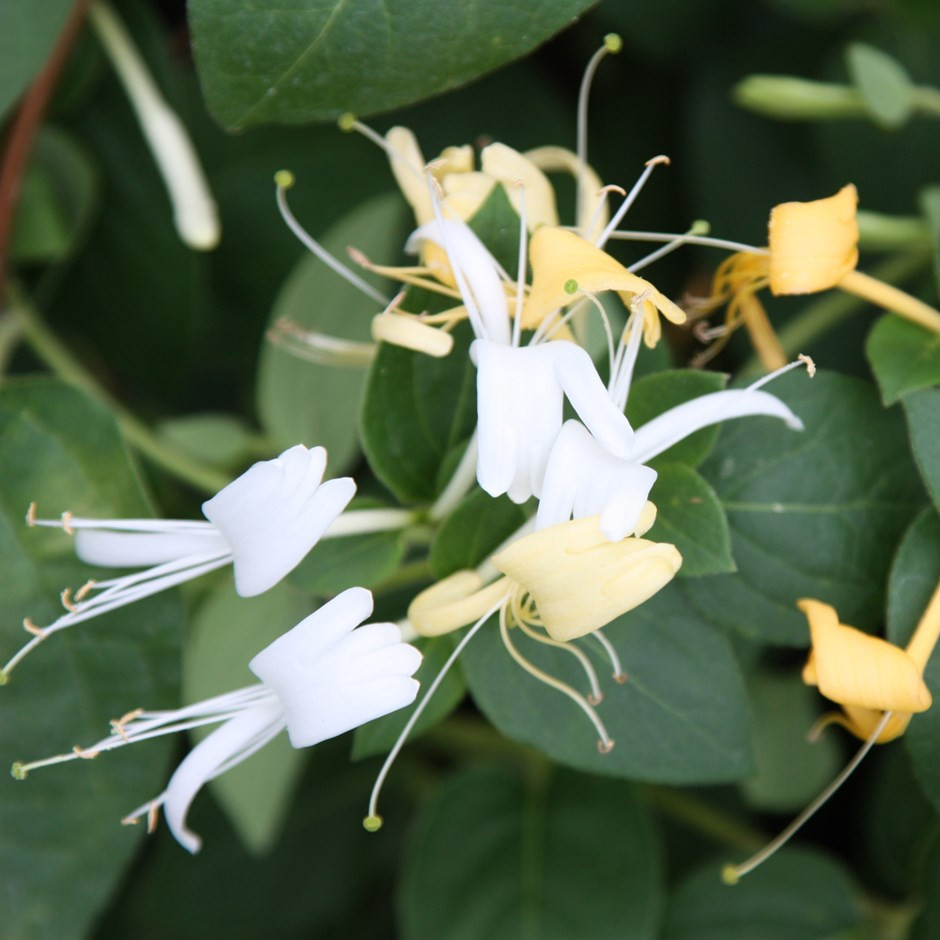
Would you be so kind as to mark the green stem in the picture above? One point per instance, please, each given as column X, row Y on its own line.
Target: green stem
column 60, row 360
column 826, row 313
column 706, row 819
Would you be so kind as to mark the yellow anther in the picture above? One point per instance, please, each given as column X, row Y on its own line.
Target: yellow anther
column 30, row 627
column 83, row 754
column 613, row 43
column 117, row 724
column 372, row 823
column 284, row 179
column 85, row 589
column 810, row 365
column 621, row 678
column 66, row 598
column 605, row 747
column 153, row 817
column 67, row 517
column 659, row 160
column 347, row 122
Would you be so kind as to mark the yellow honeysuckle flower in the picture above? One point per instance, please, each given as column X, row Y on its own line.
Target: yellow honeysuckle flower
column 565, row 266
column 812, row 246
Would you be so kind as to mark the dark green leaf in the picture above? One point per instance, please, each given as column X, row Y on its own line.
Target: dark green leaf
column 27, row 34
column 927, row 925
column 312, row 61
column 681, row 717
column 883, row 83
column 378, row 736
column 61, row 849
column 797, row 895
column 815, row 513
column 654, row 394
column 476, row 528
column 313, row 402
column 415, row 410
column 520, row 870
column 904, row 357
column 922, row 410
column 690, row 516
column 219, row 440
column 226, row 633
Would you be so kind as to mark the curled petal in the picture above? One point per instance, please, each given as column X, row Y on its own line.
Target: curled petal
column 411, row 333
column 274, row 513
column 454, row 602
column 593, row 208
column 813, row 245
column 508, row 166
column 407, row 163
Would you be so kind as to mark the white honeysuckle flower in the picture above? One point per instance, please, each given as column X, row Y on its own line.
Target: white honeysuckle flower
column 263, row 523
column 324, row 677
column 520, row 389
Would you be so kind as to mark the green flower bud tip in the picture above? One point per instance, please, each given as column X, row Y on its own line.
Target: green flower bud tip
column 284, row 179
column 347, row 122
column 571, row 286
column 700, row 227
column 372, row 823
column 729, row 874
column 613, row 43
column 17, row 771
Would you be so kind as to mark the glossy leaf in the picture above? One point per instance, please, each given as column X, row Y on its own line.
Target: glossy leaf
column 883, row 83
column 309, row 61
column 922, row 410
column 904, row 357
column 520, row 869
column 226, row 633
column 61, row 849
column 815, row 513
column 315, row 402
column 219, row 440
column 690, row 516
column 796, row 895
column 673, row 721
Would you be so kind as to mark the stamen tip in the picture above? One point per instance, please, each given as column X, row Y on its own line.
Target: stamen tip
column 613, row 43
column 700, row 227
column 605, row 747
column 659, row 160
column 372, row 823
column 284, row 179
column 595, row 699
column 808, row 362
column 18, row 771
column 571, row 286
column 621, row 678
column 31, row 514
column 730, row 875
column 346, row 122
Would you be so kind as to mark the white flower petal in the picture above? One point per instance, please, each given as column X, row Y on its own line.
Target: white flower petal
column 111, row 549
column 677, row 423
column 229, row 744
column 274, row 514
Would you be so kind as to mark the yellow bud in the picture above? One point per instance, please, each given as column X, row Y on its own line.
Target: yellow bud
column 411, row 333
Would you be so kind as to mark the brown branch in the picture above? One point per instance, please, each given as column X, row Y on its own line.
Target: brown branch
column 25, row 126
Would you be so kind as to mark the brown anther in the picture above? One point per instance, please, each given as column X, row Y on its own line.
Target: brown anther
column 621, row 678
column 67, row 517
column 605, row 747
column 117, row 724
column 153, row 817
column 358, row 257
column 83, row 754
column 595, row 699
column 660, row 160
column 611, row 188
column 31, row 514
column 66, row 598
column 85, row 589
column 30, row 627
column 130, row 820
column 810, row 365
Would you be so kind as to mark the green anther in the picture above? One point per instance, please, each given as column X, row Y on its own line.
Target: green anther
column 372, row 823
column 4, row 678
column 729, row 874
column 347, row 122
column 571, row 286
column 700, row 227
column 284, row 179
column 613, row 43
column 17, row 771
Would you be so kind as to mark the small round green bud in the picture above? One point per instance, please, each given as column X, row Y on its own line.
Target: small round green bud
column 17, row 771
column 613, row 43
column 372, row 823
column 284, row 179
column 346, row 122
column 571, row 286
column 729, row 874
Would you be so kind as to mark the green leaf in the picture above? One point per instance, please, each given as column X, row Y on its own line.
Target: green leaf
column 654, row 394
column 904, row 357
column 883, row 83
column 314, row 402
column 690, row 516
column 220, row 440
column 226, row 633
column 476, row 528
column 796, row 895
column 378, row 736
column 929, row 200
column 415, row 410
column 520, row 870
column 310, row 61
column 497, row 225
column 815, row 513
column 681, row 717
column 922, row 410
column 59, row 192
column 61, row 849
column 790, row 770
column 927, row 925
column 344, row 562
column 28, row 32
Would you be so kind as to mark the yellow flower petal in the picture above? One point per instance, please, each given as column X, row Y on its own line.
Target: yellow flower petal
column 580, row 581
column 508, row 166
column 858, row 670
column 594, row 212
column 564, row 263
column 411, row 333
column 457, row 600
column 407, row 166
column 813, row 245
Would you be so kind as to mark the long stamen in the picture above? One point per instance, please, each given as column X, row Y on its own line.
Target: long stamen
column 606, row 743
column 619, row 675
column 319, row 348
column 349, row 122
column 731, row 874
column 373, row 821
column 413, row 275
column 621, row 375
column 612, row 45
column 688, row 239
column 596, row 696
column 699, row 227
column 284, row 179
column 651, row 165
column 598, row 212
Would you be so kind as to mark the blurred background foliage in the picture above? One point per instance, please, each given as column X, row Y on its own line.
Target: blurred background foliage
column 174, row 335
